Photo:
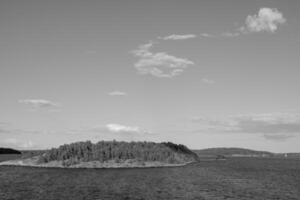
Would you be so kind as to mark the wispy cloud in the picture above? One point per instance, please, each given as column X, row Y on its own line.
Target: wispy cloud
column 10, row 129
column 159, row 64
column 269, row 123
column 4, row 129
column 117, row 131
column 2, row 126
column 207, row 35
column 208, row 81
column 16, row 143
column 281, row 125
column 267, row 19
column 40, row 103
column 178, row 37
column 278, row 136
column 111, row 129
column 230, row 34
column 222, row 35
column 118, row 128
column 227, row 34
column 117, row 93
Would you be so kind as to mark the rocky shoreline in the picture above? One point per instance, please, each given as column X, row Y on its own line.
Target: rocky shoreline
column 32, row 162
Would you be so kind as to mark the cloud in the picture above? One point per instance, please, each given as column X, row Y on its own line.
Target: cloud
column 267, row 19
column 4, row 131
column 281, row 125
column 208, row 81
column 114, row 128
column 223, row 35
column 269, row 123
column 159, row 64
column 278, row 137
column 230, row 34
column 5, row 128
column 14, row 143
column 117, row 93
column 178, row 37
column 118, row 128
column 207, row 35
column 39, row 103
column 117, row 131
column 9, row 129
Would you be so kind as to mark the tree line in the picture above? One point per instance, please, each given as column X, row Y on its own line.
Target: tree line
column 9, row 151
column 117, row 151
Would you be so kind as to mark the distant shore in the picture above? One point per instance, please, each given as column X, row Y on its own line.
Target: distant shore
column 32, row 162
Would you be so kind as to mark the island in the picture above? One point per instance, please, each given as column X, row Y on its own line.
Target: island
column 110, row 154
column 223, row 152
column 8, row 151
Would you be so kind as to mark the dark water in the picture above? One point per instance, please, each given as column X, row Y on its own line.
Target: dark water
column 239, row 178
column 4, row 157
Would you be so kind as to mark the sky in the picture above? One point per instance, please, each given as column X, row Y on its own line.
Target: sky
column 211, row 73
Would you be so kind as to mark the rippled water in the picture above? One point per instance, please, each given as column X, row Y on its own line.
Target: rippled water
column 239, row 178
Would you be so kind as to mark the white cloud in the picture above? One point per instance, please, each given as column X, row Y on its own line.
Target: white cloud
column 223, row 35
column 27, row 144
column 267, row 19
column 159, row 64
column 278, row 136
column 230, row 34
column 207, row 35
column 114, row 128
column 118, row 128
column 117, row 93
column 11, row 141
column 9, row 129
column 281, row 125
column 178, row 37
column 117, row 131
column 39, row 103
column 208, row 81
column 4, row 128
column 14, row 143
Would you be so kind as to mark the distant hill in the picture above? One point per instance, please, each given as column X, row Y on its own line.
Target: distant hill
column 288, row 155
column 32, row 153
column 9, row 151
column 113, row 154
column 292, row 155
column 232, row 152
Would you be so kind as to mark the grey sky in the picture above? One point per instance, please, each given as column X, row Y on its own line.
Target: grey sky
column 78, row 70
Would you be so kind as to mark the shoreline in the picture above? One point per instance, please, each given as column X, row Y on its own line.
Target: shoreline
column 94, row 164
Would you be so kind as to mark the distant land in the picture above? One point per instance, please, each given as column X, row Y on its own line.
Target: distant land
column 109, row 154
column 9, row 151
column 113, row 154
column 240, row 152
